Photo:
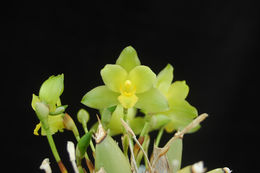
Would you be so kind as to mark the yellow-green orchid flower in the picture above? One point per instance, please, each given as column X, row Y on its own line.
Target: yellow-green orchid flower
column 180, row 113
column 127, row 83
column 49, row 95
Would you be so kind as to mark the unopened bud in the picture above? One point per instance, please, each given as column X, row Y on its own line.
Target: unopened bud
column 83, row 116
column 69, row 124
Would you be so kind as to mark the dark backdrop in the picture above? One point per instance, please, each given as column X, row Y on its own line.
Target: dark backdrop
column 212, row 45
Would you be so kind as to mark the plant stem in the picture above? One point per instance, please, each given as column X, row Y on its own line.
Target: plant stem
column 53, row 148
column 55, row 152
column 145, row 129
column 125, row 111
column 159, row 136
column 145, row 145
column 133, row 161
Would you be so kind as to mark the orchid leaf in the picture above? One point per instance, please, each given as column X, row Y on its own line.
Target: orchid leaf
column 174, row 155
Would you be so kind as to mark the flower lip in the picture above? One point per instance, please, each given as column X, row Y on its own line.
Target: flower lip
column 128, row 88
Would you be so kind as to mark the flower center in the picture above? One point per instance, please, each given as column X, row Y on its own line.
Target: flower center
column 128, row 89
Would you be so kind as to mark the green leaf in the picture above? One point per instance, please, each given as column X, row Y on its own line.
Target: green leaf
column 113, row 76
column 128, row 59
column 142, row 77
column 152, row 101
column 100, row 97
column 51, row 89
column 83, row 144
column 110, row 157
column 174, row 155
column 178, row 91
column 164, row 79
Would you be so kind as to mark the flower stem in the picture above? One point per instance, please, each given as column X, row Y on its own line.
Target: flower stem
column 159, row 136
column 55, row 152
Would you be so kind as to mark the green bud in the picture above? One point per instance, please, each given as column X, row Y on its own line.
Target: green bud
column 70, row 125
column 51, row 89
column 83, row 116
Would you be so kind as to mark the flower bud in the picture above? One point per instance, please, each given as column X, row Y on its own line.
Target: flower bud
column 83, row 116
column 70, row 125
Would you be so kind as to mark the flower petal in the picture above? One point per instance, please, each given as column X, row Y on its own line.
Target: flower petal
column 100, row 97
column 113, row 76
column 178, row 91
column 164, row 79
column 181, row 114
column 55, row 124
column 152, row 101
column 35, row 99
column 142, row 77
column 127, row 101
column 51, row 89
column 128, row 59
column 36, row 129
column 158, row 120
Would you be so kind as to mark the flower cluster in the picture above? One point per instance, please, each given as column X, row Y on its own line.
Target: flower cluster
column 129, row 89
column 129, row 86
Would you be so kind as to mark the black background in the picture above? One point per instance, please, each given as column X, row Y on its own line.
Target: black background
column 212, row 45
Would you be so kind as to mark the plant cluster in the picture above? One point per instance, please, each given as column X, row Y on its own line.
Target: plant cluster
column 129, row 89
